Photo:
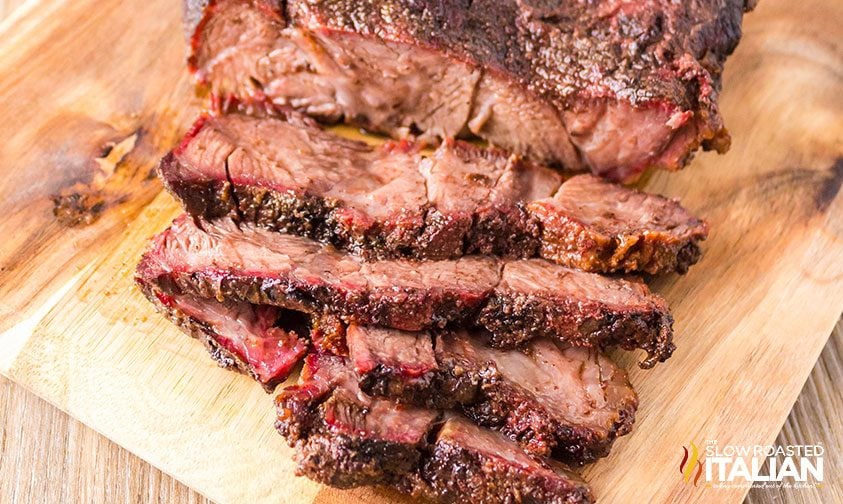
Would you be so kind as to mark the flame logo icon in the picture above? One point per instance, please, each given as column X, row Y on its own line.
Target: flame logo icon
column 689, row 461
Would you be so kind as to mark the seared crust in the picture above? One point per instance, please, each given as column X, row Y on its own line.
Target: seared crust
column 577, row 308
column 406, row 309
column 583, row 70
column 477, row 472
column 448, row 461
column 514, row 412
column 496, row 35
column 585, row 224
column 514, row 318
column 198, row 330
column 444, row 388
column 336, row 459
column 505, row 232
column 342, row 461
column 631, row 231
column 572, row 243
column 499, row 36
column 481, row 392
column 491, row 402
column 500, row 231
column 289, row 212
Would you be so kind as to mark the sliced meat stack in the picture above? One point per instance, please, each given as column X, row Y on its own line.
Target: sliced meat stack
column 564, row 402
column 515, row 300
column 442, row 244
column 287, row 174
column 613, row 87
column 568, row 402
column 344, row 438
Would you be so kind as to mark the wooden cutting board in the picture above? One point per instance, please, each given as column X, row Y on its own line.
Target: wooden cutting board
column 92, row 92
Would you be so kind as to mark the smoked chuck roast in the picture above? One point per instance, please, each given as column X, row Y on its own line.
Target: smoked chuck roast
column 450, row 301
column 614, row 87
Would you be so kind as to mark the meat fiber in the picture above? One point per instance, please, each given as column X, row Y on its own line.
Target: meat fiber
column 615, row 87
column 515, row 300
column 287, row 174
column 265, row 342
column 568, row 403
column 344, row 438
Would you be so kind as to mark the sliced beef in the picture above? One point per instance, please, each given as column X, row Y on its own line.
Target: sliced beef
column 615, row 87
column 568, row 403
column 593, row 225
column 404, row 366
column 287, row 174
column 472, row 464
column 516, row 300
column 265, row 342
column 533, row 300
column 344, row 438
column 250, row 264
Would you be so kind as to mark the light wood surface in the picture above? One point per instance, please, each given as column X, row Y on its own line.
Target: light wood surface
column 48, row 457
column 751, row 318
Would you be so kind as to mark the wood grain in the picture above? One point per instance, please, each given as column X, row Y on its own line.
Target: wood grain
column 816, row 419
column 7, row 7
column 75, row 330
column 46, row 456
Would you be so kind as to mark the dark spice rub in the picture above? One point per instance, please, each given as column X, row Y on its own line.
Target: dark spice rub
column 615, row 87
column 569, row 403
column 287, row 174
column 516, row 300
column 345, row 438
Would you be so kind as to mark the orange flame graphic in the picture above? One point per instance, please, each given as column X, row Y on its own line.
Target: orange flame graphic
column 689, row 460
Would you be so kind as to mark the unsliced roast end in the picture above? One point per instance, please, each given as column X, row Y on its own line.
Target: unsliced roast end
column 543, row 80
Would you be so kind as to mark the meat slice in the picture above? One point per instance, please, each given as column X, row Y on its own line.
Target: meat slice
column 403, row 365
column 613, row 87
column 568, row 403
column 249, row 264
column 344, row 438
column 532, row 300
column 287, row 174
column 472, row 464
column 265, row 342
column 597, row 226
column 516, row 300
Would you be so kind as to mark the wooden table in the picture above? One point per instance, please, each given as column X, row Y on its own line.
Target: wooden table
column 46, row 456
